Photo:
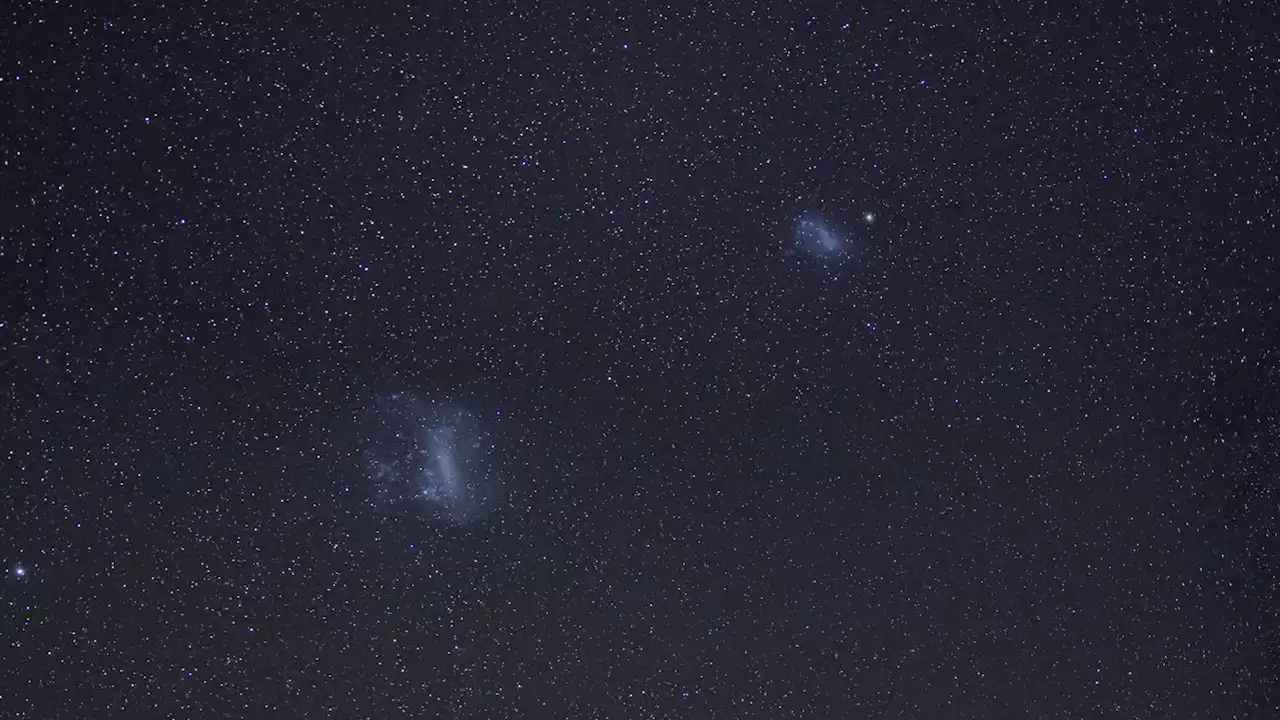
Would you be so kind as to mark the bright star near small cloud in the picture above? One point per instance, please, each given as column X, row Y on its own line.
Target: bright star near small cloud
column 20, row 571
column 869, row 217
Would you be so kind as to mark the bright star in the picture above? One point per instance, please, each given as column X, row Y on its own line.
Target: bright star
column 20, row 571
column 869, row 217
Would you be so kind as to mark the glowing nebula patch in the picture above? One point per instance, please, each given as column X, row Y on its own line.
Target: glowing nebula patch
column 433, row 456
column 814, row 235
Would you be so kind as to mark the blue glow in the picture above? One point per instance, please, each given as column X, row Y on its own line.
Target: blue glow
column 435, row 456
column 814, row 235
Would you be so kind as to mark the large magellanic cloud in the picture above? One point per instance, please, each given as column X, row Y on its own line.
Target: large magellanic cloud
column 429, row 457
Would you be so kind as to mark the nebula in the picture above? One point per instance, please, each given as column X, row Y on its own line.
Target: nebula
column 816, row 236
column 426, row 456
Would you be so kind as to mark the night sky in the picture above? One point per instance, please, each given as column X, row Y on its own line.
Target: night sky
column 554, row 360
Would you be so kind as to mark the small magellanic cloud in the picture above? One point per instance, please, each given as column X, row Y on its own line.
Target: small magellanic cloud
column 816, row 236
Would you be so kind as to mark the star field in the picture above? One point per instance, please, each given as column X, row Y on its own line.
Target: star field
column 589, row 360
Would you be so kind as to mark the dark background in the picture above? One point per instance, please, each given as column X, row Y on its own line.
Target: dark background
column 1014, row 457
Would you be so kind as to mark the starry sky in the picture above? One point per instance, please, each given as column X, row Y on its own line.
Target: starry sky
column 494, row 359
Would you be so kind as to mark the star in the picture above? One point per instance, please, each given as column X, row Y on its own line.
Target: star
column 20, row 571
